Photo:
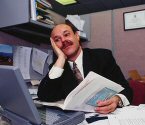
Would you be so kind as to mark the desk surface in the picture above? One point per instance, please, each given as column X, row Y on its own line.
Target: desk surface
column 129, row 115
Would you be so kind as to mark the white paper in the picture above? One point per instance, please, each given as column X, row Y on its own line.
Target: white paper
column 82, row 34
column 50, row 57
column 38, row 60
column 93, row 83
column 33, row 9
column 35, row 82
column 135, row 19
column 118, row 120
column 141, row 107
column 57, row 103
column 130, row 115
column 76, row 21
column 76, row 100
column 22, row 60
column 33, row 91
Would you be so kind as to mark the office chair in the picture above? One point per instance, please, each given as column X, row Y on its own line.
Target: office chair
column 137, row 83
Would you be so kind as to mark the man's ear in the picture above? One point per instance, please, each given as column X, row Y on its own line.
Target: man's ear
column 77, row 35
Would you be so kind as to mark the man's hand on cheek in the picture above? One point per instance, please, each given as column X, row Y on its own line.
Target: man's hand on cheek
column 57, row 50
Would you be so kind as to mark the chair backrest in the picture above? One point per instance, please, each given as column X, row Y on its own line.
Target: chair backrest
column 138, row 92
column 134, row 75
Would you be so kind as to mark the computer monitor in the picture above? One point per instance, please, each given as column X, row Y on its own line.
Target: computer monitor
column 15, row 97
column 17, row 102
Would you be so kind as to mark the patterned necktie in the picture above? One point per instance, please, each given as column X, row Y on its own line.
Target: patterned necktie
column 77, row 73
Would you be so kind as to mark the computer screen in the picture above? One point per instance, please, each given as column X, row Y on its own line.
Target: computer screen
column 15, row 96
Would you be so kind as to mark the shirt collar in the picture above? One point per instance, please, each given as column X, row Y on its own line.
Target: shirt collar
column 78, row 61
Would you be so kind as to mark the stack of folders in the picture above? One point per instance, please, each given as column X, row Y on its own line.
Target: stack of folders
column 43, row 13
column 57, row 116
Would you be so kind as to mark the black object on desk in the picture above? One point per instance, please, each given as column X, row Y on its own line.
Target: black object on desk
column 95, row 118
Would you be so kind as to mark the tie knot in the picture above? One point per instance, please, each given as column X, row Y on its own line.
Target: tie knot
column 75, row 67
column 74, row 64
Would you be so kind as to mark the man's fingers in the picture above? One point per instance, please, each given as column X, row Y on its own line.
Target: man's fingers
column 106, row 106
column 104, row 103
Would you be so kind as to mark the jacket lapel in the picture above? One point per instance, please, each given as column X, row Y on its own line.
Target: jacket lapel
column 86, row 63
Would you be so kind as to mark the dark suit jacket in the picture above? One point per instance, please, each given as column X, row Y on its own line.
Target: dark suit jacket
column 99, row 61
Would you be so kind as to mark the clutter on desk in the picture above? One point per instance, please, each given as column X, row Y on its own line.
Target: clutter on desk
column 32, row 62
column 129, row 115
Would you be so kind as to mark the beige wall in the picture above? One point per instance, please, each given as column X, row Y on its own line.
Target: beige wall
column 100, row 30
column 107, row 31
column 129, row 45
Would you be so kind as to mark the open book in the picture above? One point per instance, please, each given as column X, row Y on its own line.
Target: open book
column 84, row 97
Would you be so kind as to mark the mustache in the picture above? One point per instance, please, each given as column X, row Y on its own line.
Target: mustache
column 66, row 43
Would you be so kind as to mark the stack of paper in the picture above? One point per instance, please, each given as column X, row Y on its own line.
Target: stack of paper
column 130, row 115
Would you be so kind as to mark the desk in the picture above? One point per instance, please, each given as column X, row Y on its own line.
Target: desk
column 129, row 115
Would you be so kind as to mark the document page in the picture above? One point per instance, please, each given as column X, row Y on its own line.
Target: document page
column 38, row 60
column 130, row 115
column 83, row 98
column 118, row 120
column 50, row 57
column 21, row 59
column 89, row 91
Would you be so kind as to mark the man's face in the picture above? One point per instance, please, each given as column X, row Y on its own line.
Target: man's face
column 66, row 39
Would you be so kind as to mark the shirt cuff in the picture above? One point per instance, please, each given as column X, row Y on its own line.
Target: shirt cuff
column 55, row 72
column 124, row 99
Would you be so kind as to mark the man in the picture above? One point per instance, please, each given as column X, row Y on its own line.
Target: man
column 60, row 81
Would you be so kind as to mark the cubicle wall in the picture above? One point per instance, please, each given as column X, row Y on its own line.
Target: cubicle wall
column 129, row 45
column 14, row 41
column 101, row 36
column 107, row 31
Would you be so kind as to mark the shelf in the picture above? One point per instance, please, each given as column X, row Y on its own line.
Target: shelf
column 16, row 19
column 33, row 32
